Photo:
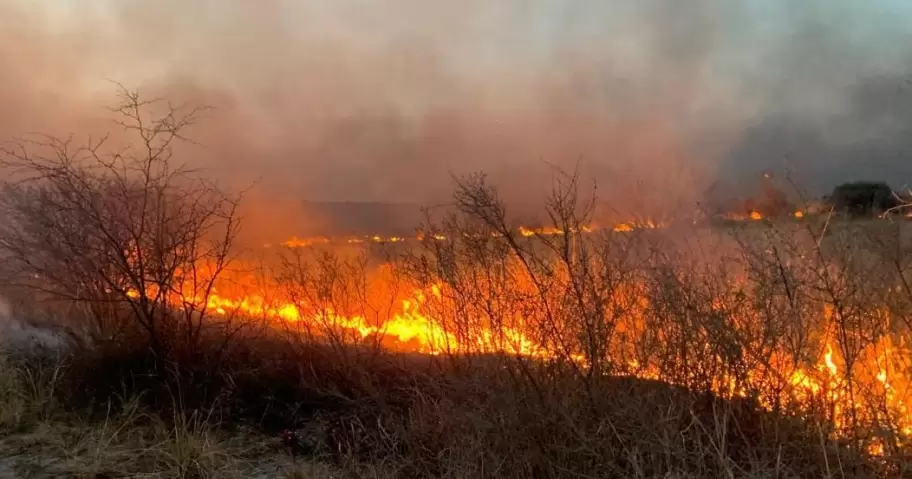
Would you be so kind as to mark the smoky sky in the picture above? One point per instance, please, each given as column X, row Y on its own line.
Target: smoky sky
column 370, row 100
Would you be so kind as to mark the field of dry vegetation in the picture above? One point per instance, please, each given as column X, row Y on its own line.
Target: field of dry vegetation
column 764, row 349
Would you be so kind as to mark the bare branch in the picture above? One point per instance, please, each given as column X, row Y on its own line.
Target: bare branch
column 127, row 226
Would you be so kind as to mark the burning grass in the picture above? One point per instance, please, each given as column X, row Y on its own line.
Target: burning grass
column 371, row 415
column 777, row 316
column 478, row 349
column 755, row 352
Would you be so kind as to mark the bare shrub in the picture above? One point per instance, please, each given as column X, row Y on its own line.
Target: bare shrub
column 126, row 232
column 778, row 350
column 795, row 319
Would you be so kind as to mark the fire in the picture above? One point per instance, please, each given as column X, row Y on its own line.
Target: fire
column 828, row 360
column 871, row 389
column 526, row 232
column 296, row 242
column 647, row 224
column 754, row 215
column 407, row 324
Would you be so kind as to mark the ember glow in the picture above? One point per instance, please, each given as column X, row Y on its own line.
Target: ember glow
column 405, row 327
column 524, row 231
column 871, row 391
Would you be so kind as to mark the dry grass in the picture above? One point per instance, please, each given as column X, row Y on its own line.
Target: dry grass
column 366, row 412
column 29, row 392
column 665, row 356
column 474, row 423
column 42, row 438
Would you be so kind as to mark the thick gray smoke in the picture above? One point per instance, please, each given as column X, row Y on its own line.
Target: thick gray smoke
column 384, row 100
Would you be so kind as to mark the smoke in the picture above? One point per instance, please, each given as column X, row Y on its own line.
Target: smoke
column 383, row 101
column 20, row 336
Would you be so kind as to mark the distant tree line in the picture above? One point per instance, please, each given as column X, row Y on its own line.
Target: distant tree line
column 854, row 199
column 863, row 198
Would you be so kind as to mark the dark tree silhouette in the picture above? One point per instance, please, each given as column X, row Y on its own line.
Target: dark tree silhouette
column 863, row 198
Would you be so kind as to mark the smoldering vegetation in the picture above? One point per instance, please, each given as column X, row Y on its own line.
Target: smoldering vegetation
column 759, row 349
column 774, row 348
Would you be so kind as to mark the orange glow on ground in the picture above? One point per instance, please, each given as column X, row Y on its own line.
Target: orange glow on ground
column 419, row 318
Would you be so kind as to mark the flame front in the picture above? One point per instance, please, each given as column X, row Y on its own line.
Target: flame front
column 408, row 326
column 871, row 389
column 525, row 231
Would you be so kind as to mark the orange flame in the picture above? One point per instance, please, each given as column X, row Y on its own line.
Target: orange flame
column 412, row 325
column 524, row 231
